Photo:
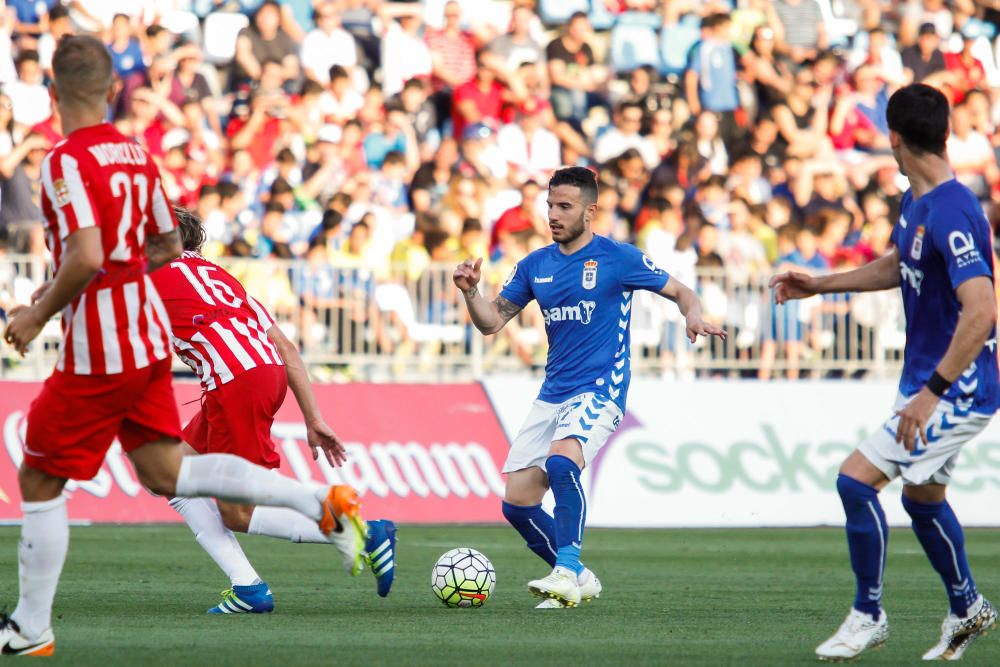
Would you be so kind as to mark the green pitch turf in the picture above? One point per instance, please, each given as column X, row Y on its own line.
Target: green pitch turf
column 137, row 596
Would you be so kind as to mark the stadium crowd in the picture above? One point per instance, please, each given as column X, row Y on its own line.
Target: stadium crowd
column 730, row 139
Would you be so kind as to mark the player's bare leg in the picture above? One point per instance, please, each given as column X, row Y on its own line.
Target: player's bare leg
column 41, row 553
column 867, row 625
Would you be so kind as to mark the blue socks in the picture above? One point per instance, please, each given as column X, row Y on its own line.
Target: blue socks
column 570, row 511
column 867, row 539
column 536, row 526
column 940, row 534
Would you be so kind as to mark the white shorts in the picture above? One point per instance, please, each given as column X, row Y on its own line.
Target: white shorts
column 928, row 463
column 589, row 418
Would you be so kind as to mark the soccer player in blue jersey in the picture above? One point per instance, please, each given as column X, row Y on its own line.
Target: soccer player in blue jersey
column 942, row 260
column 583, row 283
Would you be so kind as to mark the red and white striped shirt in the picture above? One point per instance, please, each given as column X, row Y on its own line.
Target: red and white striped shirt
column 219, row 330
column 97, row 177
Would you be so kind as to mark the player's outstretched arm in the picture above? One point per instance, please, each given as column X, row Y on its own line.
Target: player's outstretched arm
column 975, row 323
column 162, row 249
column 83, row 257
column 881, row 274
column 488, row 316
column 319, row 435
column 690, row 307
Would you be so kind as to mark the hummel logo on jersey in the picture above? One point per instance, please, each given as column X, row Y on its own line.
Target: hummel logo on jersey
column 581, row 312
column 547, row 279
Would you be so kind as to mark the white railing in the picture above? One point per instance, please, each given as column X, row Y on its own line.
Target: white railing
column 356, row 323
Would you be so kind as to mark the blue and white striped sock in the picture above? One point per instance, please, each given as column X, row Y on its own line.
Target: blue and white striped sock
column 570, row 511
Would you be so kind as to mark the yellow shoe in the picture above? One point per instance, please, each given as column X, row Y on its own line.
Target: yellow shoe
column 342, row 523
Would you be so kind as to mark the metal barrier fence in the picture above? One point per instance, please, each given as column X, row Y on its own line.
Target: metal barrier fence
column 407, row 324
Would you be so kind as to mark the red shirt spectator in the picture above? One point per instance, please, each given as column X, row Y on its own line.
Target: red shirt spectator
column 968, row 68
column 478, row 101
column 261, row 149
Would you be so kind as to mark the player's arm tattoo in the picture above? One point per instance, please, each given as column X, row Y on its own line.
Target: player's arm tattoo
column 162, row 249
column 506, row 309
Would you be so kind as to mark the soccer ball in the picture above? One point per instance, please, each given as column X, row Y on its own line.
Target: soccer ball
column 463, row 578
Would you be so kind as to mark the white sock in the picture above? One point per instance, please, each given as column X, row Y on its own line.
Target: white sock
column 203, row 518
column 42, row 552
column 231, row 478
column 285, row 524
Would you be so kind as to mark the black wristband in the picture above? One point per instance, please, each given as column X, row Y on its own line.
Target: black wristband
column 937, row 384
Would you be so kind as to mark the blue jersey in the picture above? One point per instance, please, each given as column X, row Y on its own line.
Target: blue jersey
column 586, row 301
column 943, row 240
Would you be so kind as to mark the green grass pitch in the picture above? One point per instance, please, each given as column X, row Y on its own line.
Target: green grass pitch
column 137, row 596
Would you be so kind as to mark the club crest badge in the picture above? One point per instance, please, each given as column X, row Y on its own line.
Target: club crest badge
column 61, row 191
column 590, row 274
column 918, row 243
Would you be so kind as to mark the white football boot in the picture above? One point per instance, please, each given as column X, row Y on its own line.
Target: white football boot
column 957, row 633
column 560, row 585
column 549, row 603
column 590, row 585
column 590, row 588
column 12, row 642
column 858, row 633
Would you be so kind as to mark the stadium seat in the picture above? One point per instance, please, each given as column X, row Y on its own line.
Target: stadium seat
column 651, row 20
column 220, row 32
column 182, row 24
column 600, row 17
column 633, row 45
column 557, row 12
column 675, row 43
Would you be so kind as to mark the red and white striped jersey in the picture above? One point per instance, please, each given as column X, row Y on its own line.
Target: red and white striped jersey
column 97, row 177
column 219, row 330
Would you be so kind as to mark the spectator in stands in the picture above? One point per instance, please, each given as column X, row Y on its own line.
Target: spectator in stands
column 190, row 85
column 59, row 26
column 531, row 151
column 803, row 118
column 769, row 73
column 415, row 103
column 327, row 45
column 803, row 33
column 20, row 176
column 404, row 54
column 970, row 153
column 711, row 76
column 265, row 41
column 31, row 17
column 624, row 134
column 258, row 125
column 871, row 99
column 524, row 216
column 967, row 72
column 506, row 54
column 28, row 94
column 923, row 59
column 577, row 80
column 880, row 55
column 479, row 100
column 126, row 52
column 453, row 57
column 341, row 101
column 432, row 179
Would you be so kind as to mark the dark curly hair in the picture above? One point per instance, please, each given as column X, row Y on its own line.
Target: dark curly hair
column 189, row 226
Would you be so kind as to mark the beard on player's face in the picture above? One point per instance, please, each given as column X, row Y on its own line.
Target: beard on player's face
column 567, row 232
